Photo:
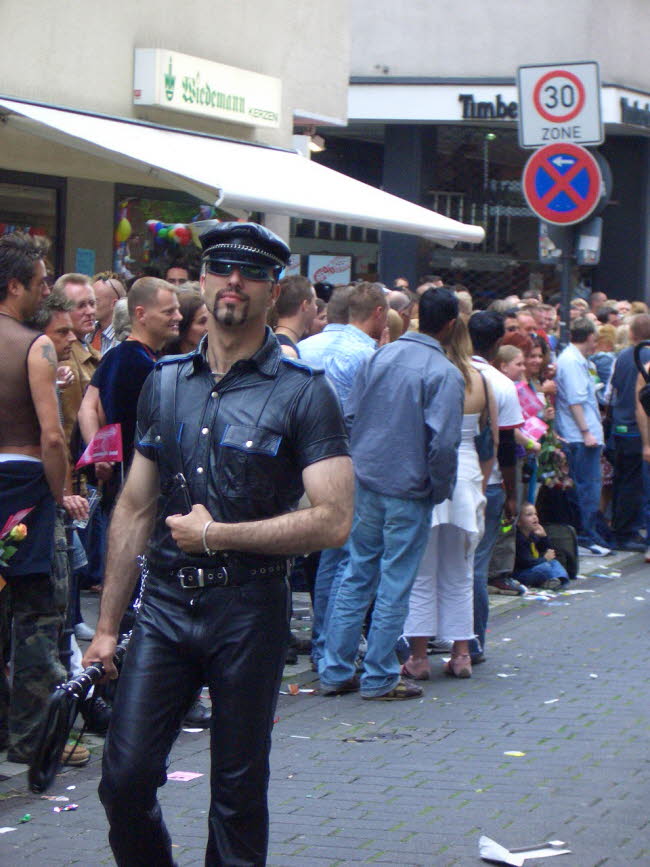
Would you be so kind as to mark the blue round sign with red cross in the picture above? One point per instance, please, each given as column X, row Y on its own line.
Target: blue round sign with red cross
column 562, row 183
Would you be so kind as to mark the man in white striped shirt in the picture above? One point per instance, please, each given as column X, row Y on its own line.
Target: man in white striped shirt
column 108, row 290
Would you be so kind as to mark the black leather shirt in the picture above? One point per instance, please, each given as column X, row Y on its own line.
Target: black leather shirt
column 244, row 442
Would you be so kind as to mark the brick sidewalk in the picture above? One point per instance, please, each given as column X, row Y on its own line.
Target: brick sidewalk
column 417, row 783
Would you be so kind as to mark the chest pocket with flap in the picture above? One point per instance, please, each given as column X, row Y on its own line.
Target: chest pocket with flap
column 247, row 461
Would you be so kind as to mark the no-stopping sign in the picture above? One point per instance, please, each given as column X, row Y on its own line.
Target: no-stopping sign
column 562, row 183
column 559, row 103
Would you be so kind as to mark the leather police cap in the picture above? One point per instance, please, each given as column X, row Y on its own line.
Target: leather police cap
column 244, row 243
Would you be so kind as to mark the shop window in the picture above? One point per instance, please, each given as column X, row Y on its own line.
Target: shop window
column 32, row 209
column 154, row 231
column 159, row 229
column 306, row 229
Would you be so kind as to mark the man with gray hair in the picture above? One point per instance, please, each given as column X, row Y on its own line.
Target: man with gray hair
column 402, row 304
column 83, row 358
column 108, row 290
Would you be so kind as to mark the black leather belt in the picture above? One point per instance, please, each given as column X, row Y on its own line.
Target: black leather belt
column 231, row 575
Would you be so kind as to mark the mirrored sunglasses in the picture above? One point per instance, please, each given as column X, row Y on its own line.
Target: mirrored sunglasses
column 246, row 269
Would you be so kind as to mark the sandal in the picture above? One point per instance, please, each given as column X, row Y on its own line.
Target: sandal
column 416, row 669
column 402, row 690
column 460, row 665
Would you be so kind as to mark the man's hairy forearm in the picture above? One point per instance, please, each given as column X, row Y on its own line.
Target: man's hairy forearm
column 128, row 534
column 312, row 529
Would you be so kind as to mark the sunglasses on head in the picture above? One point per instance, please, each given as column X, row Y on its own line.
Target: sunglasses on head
column 246, row 269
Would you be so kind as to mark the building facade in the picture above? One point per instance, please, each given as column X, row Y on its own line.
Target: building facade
column 433, row 112
column 244, row 71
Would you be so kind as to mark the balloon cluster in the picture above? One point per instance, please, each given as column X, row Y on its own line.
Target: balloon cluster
column 177, row 233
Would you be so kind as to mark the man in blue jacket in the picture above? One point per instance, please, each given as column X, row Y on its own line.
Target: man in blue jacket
column 405, row 413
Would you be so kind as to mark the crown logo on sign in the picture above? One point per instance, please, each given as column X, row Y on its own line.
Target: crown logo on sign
column 170, row 82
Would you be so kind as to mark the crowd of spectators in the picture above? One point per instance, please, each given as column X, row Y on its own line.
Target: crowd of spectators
column 420, row 376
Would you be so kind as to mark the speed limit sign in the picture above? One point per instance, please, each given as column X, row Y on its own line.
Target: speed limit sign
column 559, row 103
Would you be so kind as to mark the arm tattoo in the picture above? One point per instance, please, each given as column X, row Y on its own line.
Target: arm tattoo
column 49, row 355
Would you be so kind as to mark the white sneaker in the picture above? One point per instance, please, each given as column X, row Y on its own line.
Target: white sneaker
column 83, row 632
column 593, row 551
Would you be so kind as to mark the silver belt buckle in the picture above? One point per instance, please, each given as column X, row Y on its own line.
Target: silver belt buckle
column 191, row 577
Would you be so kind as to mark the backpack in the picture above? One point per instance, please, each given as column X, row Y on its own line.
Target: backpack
column 562, row 538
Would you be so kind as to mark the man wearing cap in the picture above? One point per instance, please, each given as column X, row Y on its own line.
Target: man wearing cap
column 249, row 430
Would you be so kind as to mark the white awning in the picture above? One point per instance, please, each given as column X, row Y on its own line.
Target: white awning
column 237, row 175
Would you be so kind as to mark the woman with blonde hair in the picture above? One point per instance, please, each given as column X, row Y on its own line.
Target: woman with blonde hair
column 442, row 597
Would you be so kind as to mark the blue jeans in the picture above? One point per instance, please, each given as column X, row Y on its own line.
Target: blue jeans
column 495, row 496
column 584, row 468
column 325, row 589
column 388, row 538
column 541, row 572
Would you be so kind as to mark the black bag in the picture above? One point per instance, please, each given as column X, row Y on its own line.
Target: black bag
column 562, row 538
column 484, row 440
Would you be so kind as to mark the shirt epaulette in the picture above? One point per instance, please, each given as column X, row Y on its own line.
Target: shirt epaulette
column 174, row 359
column 295, row 362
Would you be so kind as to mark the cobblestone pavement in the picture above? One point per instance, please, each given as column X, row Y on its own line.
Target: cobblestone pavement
column 564, row 690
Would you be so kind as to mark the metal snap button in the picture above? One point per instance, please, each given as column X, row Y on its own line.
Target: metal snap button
column 249, row 444
column 199, row 470
column 214, row 394
column 205, row 431
column 157, row 439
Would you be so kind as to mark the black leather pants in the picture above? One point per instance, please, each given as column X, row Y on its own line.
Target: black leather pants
column 233, row 639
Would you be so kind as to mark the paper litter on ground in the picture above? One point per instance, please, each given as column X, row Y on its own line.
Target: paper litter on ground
column 183, row 776
column 576, row 592
column 490, row 850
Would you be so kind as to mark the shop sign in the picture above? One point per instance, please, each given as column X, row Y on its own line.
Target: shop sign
column 179, row 82
column 494, row 109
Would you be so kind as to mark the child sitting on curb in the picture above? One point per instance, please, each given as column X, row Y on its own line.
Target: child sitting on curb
column 535, row 563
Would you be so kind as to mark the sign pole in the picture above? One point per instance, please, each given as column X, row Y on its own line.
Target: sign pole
column 566, row 262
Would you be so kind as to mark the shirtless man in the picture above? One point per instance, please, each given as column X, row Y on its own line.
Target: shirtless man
column 32, row 476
